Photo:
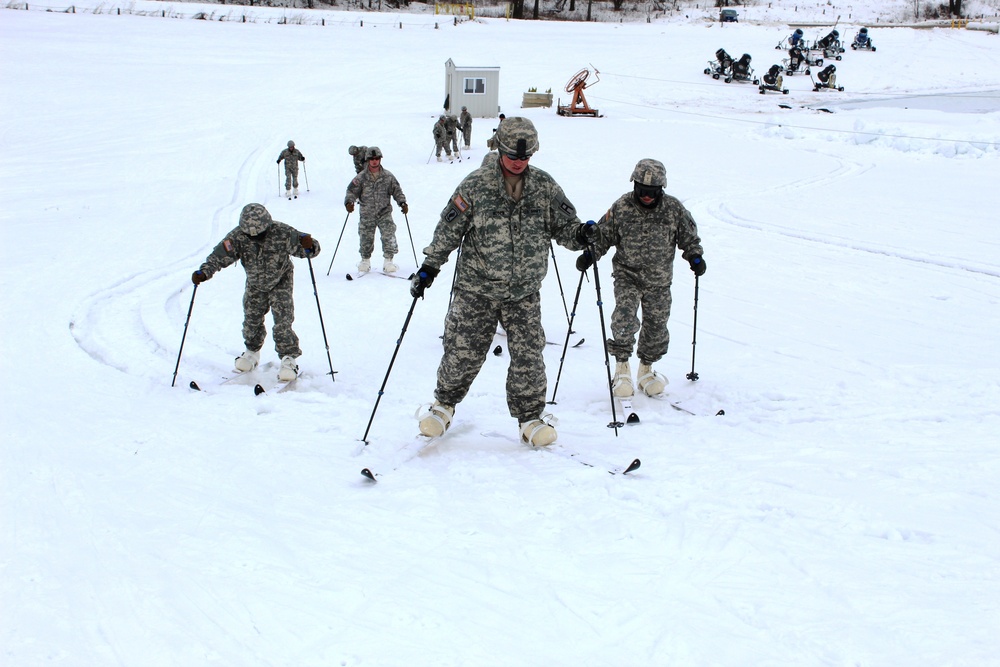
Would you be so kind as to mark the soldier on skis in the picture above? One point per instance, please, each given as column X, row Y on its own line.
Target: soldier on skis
column 265, row 247
column 645, row 226
column 503, row 217
column 292, row 156
column 465, row 125
column 440, row 132
column 374, row 187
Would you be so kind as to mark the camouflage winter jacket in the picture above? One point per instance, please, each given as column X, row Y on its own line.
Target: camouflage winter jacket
column 505, row 245
column 465, row 121
column 359, row 159
column 440, row 133
column 374, row 191
column 645, row 239
column 292, row 157
column 265, row 258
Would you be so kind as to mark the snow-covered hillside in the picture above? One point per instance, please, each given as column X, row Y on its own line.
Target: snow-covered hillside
column 843, row 511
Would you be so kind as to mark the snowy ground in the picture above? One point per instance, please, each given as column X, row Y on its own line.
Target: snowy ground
column 843, row 511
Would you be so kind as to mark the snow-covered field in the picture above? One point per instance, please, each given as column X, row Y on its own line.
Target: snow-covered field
column 844, row 511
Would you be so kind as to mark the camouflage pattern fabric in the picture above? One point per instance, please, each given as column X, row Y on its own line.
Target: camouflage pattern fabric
column 267, row 260
column 440, row 137
column 505, row 246
column 643, row 270
column 469, row 329
column 374, row 192
column 292, row 157
column 451, row 126
column 359, row 159
column 465, row 124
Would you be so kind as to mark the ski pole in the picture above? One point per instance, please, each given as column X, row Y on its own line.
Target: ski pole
column 184, row 336
column 306, row 174
column 312, row 275
column 559, row 280
column 569, row 330
column 615, row 424
column 413, row 247
column 338, row 242
column 431, row 155
column 279, row 180
column 381, row 390
column 694, row 333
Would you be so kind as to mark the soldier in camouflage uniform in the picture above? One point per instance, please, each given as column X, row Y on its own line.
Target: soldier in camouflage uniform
column 292, row 156
column 440, row 133
column 451, row 125
column 373, row 187
column 502, row 218
column 465, row 125
column 491, row 143
column 360, row 155
column 645, row 226
column 265, row 248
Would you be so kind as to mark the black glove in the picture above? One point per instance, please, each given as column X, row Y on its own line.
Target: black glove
column 278, row 161
column 306, row 240
column 349, row 207
column 584, row 261
column 422, row 279
column 588, row 233
column 404, row 208
column 302, row 158
column 198, row 277
column 697, row 265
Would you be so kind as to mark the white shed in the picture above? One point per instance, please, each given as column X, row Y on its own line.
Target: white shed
column 477, row 88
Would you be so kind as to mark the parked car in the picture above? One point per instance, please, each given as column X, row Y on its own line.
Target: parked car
column 729, row 16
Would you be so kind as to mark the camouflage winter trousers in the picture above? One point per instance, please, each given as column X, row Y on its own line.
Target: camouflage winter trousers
column 282, row 306
column 291, row 175
column 467, row 134
column 386, row 227
column 654, row 338
column 438, row 145
column 469, row 328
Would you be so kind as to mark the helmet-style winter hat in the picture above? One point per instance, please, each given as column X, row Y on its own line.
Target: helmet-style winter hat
column 517, row 136
column 254, row 219
column 373, row 152
column 291, row 144
column 649, row 172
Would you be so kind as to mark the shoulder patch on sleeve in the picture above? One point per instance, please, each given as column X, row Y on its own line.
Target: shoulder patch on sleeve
column 228, row 245
column 460, row 203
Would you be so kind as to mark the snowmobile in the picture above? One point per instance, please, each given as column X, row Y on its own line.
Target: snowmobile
column 827, row 79
column 722, row 66
column 862, row 42
column 742, row 72
column 772, row 81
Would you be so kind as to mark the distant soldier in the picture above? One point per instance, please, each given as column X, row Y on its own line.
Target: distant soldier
column 491, row 143
column 465, row 125
column 504, row 217
column 292, row 156
column 359, row 154
column 374, row 187
column 265, row 248
column 645, row 226
column 451, row 124
column 440, row 132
